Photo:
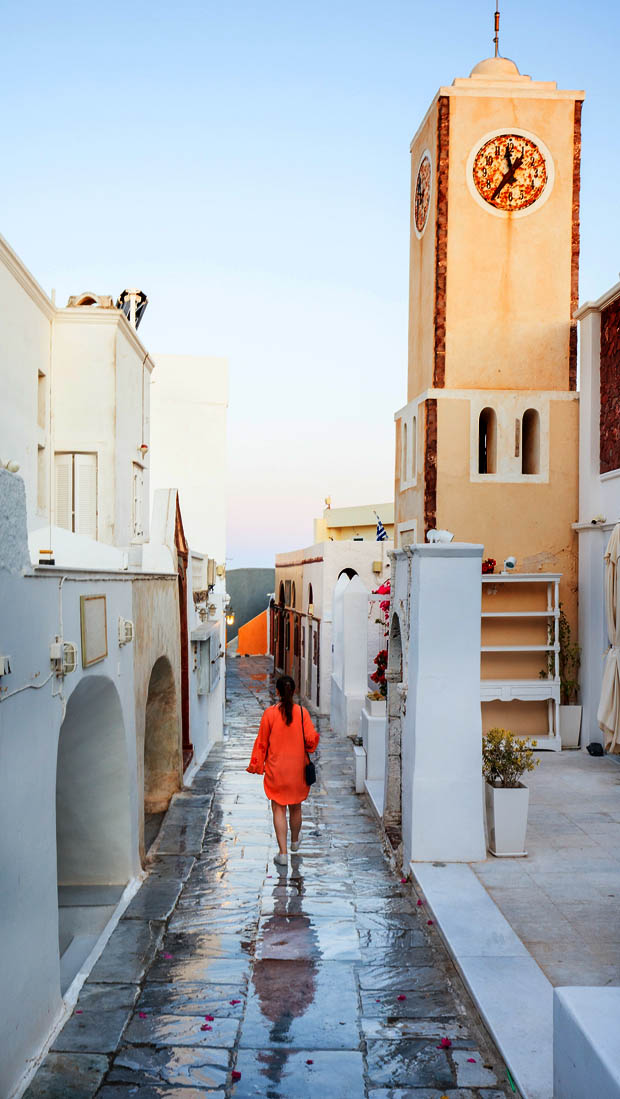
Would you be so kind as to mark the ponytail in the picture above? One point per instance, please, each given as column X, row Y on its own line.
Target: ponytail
column 285, row 686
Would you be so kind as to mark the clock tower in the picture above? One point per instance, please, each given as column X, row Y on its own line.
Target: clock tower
column 487, row 444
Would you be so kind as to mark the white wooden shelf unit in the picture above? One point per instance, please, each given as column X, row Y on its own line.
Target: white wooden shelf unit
column 529, row 690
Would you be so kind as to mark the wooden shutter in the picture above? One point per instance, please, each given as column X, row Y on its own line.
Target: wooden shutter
column 63, row 496
column 85, row 494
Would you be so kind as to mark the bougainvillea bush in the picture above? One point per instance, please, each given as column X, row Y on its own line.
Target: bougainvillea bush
column 378, row 677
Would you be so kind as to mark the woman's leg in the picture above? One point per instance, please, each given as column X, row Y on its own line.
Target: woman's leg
column 295, row 815
column 279, row 823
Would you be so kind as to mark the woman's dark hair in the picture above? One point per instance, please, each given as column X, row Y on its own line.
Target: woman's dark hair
column 285, row 686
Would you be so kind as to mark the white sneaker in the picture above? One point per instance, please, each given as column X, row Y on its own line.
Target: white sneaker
column 282, row 860
column 295, row 847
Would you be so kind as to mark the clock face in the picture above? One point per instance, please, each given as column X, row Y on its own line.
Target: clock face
column 510, row 172
column 422, row 194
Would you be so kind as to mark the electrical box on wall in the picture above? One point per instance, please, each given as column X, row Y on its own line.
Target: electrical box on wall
column 125, row 631
column 63, row 656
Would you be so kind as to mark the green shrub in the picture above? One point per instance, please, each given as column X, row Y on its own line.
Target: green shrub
column 506, row 757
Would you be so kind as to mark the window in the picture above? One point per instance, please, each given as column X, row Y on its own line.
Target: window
column 75, row 500
column 137, row 512
column 293, row 595
column 530, row 442
column 414, row 449
column 310, row 600
column 487, row 441
column 403, row 464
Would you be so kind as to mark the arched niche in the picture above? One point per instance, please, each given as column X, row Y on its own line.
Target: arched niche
column 161, row 739
column 347, row 572
column 487, row 441
column 530, row 441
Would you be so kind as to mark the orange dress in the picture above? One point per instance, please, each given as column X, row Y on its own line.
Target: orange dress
column 279, row 754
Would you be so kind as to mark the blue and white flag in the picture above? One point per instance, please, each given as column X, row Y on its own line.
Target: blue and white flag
column 381, row 531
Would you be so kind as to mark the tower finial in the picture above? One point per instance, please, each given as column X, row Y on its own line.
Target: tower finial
column 496, row 38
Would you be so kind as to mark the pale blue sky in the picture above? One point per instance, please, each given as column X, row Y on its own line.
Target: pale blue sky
column 247, row 165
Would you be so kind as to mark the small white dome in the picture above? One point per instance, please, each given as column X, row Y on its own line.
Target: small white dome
column 497, row 68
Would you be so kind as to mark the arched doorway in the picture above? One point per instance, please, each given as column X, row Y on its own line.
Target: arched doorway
column 392, row 813
column 161, row 747
column 280, row 616
column 347, row 572
column 93, row 822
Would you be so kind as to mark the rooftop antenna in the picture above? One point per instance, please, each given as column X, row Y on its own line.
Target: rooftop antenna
column 496, row 38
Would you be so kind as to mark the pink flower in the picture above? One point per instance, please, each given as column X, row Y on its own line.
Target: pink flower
column 209, row 1018
column 205, row 1026
column 402, row 996
column 142, row 1015
column 419, row 903
column 310, row 1062
column 236, row 1076
column 444, row 1044
column 403, row 881
column 430, row 922
column 471, row 1060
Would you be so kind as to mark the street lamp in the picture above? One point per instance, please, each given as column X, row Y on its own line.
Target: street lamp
column 230, row 617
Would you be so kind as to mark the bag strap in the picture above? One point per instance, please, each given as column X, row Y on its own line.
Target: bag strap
column 303, row 735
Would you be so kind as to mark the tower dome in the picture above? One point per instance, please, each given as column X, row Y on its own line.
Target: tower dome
column 497, row 68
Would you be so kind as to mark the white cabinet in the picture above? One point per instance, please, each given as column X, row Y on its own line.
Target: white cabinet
column 520, row 632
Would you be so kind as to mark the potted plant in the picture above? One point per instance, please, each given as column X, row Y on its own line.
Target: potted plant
column 570, row 662
column 505, row 758
column 376, row 703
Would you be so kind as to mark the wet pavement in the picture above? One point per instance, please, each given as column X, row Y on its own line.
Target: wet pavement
column 229, row 976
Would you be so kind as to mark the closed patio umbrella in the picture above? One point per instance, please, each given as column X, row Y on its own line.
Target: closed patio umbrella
column 608, row 715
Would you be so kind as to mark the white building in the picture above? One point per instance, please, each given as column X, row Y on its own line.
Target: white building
column 301, row 629
column 599, row 486
column 111, row 680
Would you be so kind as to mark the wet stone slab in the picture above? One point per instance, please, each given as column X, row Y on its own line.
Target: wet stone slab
column 184, row 825
column 291, row 1003
column 176, row 1066
column 155, row 900
column 194, row 999
column 154, row 1091
column 286, row 1074
column 68, row 1076
column 210, row 970
column 431, row 1004
column 411, row 1062
column 181, row 1030
column 99, row 1018
column 129, row 952
column 300, row 937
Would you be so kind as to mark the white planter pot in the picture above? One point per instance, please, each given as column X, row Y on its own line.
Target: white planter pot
column 507, row 819
column 376, row 707
column 570, row 726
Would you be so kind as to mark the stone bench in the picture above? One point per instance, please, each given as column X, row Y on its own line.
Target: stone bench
column 586, row 1043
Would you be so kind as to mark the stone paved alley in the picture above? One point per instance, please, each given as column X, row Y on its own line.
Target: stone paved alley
column 324, row 982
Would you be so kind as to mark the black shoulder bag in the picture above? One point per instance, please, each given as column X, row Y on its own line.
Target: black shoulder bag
column 310, row 769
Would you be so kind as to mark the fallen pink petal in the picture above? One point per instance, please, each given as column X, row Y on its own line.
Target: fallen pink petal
column 402, row 996
column 167, row 957
column 444, row 1044
column 403, row 881
column 471, row 1060
column 78, row 1012
column 209, row 1018
column 233, row 1002
column 142, row 1014
column 419, row 903
column 430, row 922
column 236, row 1075
column 310, row 1062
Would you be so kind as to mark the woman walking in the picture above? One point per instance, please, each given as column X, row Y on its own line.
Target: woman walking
column 285, row 736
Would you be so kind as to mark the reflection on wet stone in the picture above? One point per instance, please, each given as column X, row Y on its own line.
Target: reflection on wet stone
column 319, row 980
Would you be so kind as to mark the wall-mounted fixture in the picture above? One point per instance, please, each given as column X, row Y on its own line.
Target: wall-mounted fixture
column 5, row 665
column 11, row 465
column 143, row 448
column 63, row 656
column 230, row 617
column 125, row 631
column 221, row 570
column 46, row 557
column 377, row 566
column 310, row 609
column 210, row 572
column 510, row 564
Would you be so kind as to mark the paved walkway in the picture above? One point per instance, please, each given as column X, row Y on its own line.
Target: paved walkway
column 563, row 899
column 227, row 978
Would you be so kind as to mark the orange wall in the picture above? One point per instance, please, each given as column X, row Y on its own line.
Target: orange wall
column 253, row 636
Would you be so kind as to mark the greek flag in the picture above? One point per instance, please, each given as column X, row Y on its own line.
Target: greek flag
column 381, row 531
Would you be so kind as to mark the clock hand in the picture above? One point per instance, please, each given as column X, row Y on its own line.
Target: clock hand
column 508, row 178
column 507, row 157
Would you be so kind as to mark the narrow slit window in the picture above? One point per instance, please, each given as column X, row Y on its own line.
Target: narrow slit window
column 530, row 442
column 404, row 458
column 414, row 449
column 487, row 441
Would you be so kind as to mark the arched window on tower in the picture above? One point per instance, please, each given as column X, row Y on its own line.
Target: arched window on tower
column 530, row 441
column 487, row 441
column 293, row 595
column 413, row 443
column 310, row 600
column 403, row 464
